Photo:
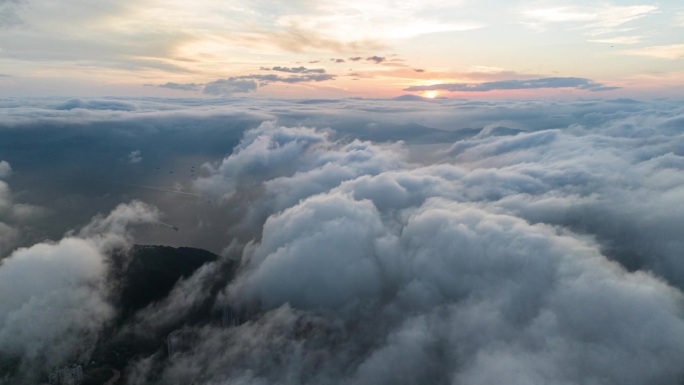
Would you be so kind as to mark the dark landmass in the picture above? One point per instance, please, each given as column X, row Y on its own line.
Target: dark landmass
column 153, row 271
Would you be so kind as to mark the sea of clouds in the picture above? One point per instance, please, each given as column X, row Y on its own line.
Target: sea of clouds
column 383, row 241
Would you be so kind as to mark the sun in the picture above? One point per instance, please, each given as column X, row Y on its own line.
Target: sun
column 431, row 94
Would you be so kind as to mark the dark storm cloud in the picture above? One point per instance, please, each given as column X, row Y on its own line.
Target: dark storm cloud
column 556, row 82
column 386, row 241
column 297, row 70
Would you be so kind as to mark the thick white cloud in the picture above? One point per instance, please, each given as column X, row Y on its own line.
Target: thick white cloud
column 54, row 301
column 55, row 294
column 264, row 152
column 328, row 243
column 450, row 293
column 542, row 255
column 295, row 162
column 524, row 242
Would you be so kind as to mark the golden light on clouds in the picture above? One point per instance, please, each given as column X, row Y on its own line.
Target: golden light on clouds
column 365, row 49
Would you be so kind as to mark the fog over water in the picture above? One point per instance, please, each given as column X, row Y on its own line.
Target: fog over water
column 382, row 241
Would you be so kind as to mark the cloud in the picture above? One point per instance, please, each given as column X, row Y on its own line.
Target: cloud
column 332, row 220
column 181, row 86
column 296, row 154
column 55, row 294
column 598, row 20
column 96, row 104
column 387, row 241
column 187, row 295
column 54, row 302
column 134, row 157
column 354, row 22
column 555, row 82
column 9, row 14
column 297, row 70
column 265, row 79
column 229, row 86
column 5, row 169
column 105, row 46
column 16, row 219
column 261, row 151
column 470, row 268
column 376, row 59
column 669, row 52
column 115, row 224
column 247, row 83
column 619, row 40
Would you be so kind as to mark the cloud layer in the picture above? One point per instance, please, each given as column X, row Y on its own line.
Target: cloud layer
column 393, row 241
column 493, row 264
column 556, row 82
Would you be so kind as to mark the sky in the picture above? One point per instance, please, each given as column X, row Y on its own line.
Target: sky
column 334, row 48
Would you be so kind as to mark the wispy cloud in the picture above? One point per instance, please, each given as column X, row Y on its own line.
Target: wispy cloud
column 295, row 39
column 362, row 20
column 671, row 52
column 558, row 15
column 9, row 13
column 595, row 21
column 619, row 40
column 606, row 16
column 554, row 82
column 297, row 70
column 265, row 79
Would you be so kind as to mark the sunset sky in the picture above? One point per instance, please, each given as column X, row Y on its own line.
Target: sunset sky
column 328, row 192
column 333, row 48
